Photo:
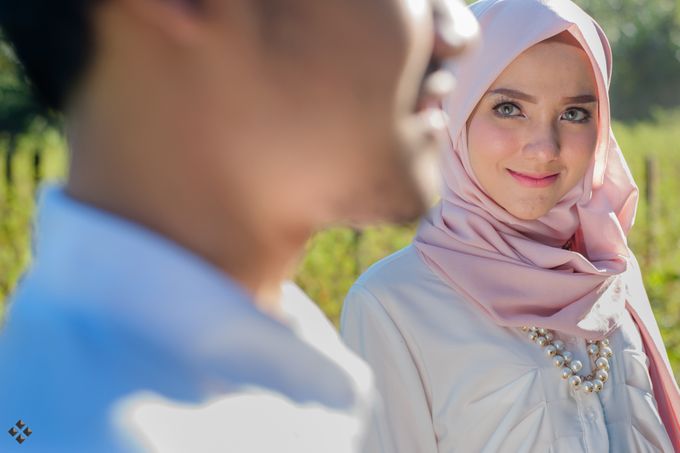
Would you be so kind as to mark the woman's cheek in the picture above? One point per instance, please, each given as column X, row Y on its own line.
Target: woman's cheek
column 579, row 151
column 493, row 142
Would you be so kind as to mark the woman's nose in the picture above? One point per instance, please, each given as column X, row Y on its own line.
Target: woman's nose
column 543, row 143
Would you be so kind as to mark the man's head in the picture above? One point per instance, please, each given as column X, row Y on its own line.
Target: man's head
column 303, row 105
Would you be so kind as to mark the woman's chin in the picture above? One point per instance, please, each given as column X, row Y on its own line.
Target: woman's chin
column 528, row 212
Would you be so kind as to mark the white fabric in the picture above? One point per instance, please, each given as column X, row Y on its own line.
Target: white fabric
column 454, row 381
column 118, row 340
column 256, row 419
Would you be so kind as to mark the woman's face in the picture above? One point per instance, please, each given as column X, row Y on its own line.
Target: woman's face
column 533, row 134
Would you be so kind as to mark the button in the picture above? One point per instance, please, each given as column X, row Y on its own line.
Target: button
column 591, row 416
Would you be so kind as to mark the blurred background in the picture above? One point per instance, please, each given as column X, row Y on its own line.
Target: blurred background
column 645, row 37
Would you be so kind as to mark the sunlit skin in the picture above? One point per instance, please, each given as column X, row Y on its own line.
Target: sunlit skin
column 238, row 128
column 532, row 136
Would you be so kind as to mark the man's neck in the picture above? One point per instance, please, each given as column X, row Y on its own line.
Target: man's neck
column 256, row 251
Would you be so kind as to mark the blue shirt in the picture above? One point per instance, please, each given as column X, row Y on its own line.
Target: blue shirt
column 110, row 311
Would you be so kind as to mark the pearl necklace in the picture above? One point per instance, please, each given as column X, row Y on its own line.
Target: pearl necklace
column 599, row 352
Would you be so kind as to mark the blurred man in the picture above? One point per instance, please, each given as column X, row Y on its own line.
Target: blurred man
column 209, row 139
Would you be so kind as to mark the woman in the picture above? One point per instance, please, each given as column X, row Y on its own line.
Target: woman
column 517, row 321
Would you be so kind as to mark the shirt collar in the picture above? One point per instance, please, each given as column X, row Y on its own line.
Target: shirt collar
column 92, row 261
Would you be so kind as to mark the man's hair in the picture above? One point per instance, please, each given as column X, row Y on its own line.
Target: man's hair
column 53, row 40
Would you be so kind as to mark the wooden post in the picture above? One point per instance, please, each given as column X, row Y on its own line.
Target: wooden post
column 37, row 168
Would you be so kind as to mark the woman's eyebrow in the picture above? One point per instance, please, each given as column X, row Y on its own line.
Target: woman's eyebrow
column 514, row 94
column 582, row 99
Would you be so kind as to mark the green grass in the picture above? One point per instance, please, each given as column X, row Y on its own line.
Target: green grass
column 335, row 258
column 17, row 203
column 656, row 236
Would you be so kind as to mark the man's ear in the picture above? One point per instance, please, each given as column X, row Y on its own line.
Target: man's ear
column 180, row 20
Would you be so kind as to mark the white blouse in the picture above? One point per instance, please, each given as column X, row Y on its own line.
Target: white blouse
column 454, row 381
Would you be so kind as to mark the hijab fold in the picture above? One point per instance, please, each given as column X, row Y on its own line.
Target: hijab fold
column 519, row 272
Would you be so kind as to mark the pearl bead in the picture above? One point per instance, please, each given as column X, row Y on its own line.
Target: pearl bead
column 602, row 364
column 576, row 366
column 575, row 382
column 606, row 352
column 597, row 385
column 598, row 350
column 559, row 344
column 602, row 375
column 558, row 361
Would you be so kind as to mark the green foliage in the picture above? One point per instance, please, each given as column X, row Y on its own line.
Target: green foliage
column 17, row 202
column 656, row 236
column 19, row 110
column 645, row 37
column 335, row 259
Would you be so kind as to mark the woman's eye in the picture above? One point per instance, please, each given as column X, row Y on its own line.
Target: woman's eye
column 507, row 109
column 576, row 115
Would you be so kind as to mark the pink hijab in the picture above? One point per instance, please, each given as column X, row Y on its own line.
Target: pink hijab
column 516, row 271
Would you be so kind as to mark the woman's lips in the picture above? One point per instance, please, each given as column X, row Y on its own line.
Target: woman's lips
column 535, row 181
